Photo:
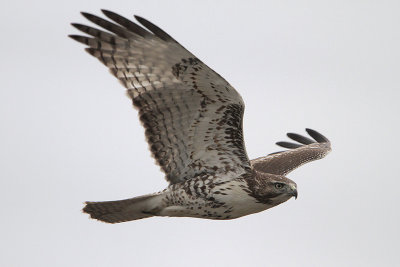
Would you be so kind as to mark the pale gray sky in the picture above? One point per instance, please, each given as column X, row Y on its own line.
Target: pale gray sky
column 69, row 134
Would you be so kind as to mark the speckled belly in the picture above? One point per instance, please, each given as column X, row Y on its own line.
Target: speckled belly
column 224, row 201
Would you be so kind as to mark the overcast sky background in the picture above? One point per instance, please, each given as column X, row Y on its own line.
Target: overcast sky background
column 69, row 134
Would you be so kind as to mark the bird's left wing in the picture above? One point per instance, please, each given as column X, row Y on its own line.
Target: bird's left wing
column 281, row 163
column 192, row 116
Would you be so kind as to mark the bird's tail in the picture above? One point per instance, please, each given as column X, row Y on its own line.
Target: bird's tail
column 124, row 210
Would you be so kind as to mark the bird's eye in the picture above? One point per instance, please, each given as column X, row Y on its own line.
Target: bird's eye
column 278, row 185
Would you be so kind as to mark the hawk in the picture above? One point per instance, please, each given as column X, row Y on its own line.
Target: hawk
column 193, row 125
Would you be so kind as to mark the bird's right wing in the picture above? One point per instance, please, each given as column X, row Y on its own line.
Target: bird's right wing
column 281, row 163
column 192, row 116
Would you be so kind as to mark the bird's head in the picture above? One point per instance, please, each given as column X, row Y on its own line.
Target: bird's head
column 273, row 189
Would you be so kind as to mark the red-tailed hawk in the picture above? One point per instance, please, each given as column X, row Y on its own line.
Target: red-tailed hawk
column 193, row 122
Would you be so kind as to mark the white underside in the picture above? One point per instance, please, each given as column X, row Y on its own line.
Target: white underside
column 238, row 201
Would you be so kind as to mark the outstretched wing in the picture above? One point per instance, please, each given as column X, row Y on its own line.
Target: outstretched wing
column 281, row 163
column 192, row 116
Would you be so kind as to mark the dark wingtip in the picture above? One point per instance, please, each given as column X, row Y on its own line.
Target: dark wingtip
column 144, row 22
column 139, row 18
column 288, row 145
column 105, row 11
column 302, row 140
column 86, row 14
column 126, row 23
column 79, row 38
column 299, row 138
column 91, row 17
column 154, row 29
column 110, row 14
column 317, row 136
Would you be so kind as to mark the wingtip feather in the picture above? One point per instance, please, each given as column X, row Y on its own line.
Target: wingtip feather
column 139, row 18
column 317, row 136
column 154, row 28
column 79, row 38
column 106, row 11
column 299, row 138
column 288, row 145
column 85, row 14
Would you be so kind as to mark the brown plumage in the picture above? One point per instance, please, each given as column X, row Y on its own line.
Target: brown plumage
column 193, row 124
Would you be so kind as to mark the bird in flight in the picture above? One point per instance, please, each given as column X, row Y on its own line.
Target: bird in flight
column 193, row 125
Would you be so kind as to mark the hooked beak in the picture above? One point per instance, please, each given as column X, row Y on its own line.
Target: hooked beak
column 295, row 194
column 294, row 191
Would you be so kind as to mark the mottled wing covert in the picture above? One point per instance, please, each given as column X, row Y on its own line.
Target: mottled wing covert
column 192, row 116
column 306, row 150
